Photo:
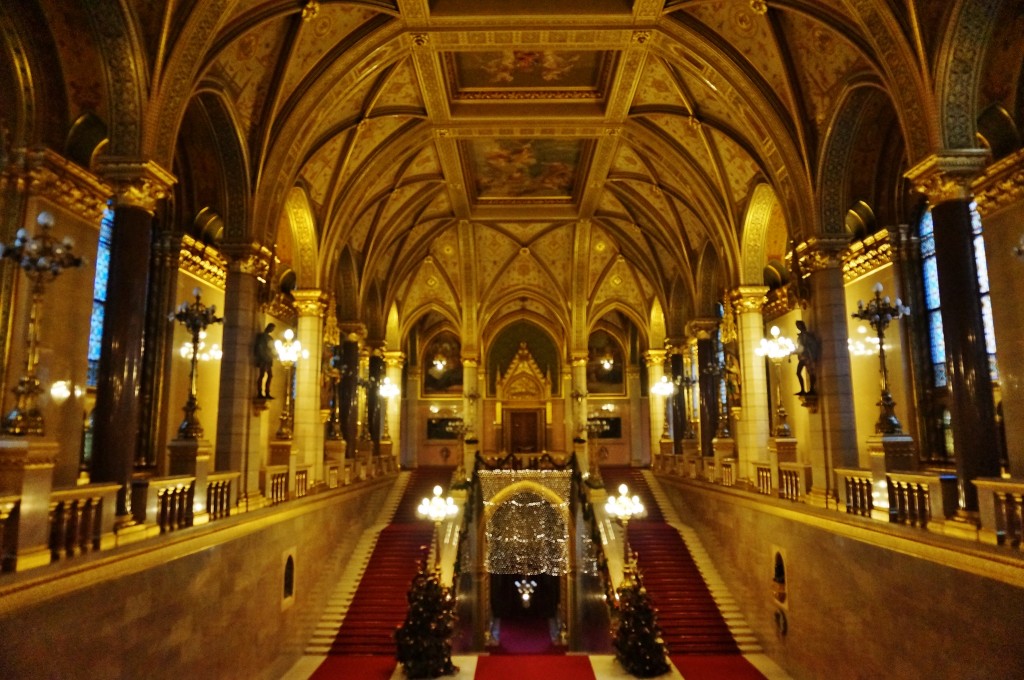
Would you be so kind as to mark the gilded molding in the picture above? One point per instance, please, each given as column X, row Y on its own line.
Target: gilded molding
column 947, row 175
column 777, row 303
column 202, row 261
column 310, row 302
column 866, row 256
column 353, row 331
column 281, row 308
column 701, row 329
column 1002, row 185
column 137, row 183
column 655, row 357
column 248, row 258
column 64, row 183
column 818, row 254
column 394, row 358
column 748, row 299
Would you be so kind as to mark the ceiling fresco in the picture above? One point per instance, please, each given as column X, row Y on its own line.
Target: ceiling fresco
column 576, row 155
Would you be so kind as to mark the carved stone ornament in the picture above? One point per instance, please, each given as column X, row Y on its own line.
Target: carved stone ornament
column 524, row 380
column 311, row 302
column 248, row 258
column 819, row 254
column 64, row 183
column 137, row 183
column 1002, row 184
column 947, row 175
column 749, row 299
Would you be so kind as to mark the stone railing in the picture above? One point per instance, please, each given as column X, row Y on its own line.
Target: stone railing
column 1001, row 505
column 794, row 480
column 855, row 488
column 728, row 472
column 331, row 473
column 302, row 480
column 921, row 499
column 218, row 493
column 274, row 480
column 81, row 519
column 763, row 474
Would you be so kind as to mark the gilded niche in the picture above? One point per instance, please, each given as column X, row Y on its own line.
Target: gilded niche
column 524, row 380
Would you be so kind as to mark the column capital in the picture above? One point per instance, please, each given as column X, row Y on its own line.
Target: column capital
column 137, row 183
column 702, row 329
column 471, row 361
column 394, row 358
column 819, row 253
column 352, row 331
column 655, row 357
column 247, row 258
column 580, row 358
column 57, row 179
column 1002, row 184
column 310, row 301
column 947, row 175
column 748, row 299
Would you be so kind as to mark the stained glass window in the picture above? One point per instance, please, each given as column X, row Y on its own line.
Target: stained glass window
column 99, row 295
column 926, row 231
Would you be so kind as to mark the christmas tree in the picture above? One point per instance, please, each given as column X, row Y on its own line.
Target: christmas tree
column 425, row 639
column 638, row 644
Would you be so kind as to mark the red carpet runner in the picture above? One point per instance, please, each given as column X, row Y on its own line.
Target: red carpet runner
column 379, row 605
column 689, row 617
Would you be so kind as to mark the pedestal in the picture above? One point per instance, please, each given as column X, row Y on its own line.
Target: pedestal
column 192, row 457
column 26, row 470
column 780, row 450
column 723, row 448
column 888, row 453
column 283, row 452
column 690, row 464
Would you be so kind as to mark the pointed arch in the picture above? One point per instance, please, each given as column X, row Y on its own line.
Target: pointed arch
column 755, row 228
column 300, row 219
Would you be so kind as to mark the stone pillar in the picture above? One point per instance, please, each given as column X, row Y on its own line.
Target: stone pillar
column 411, row 425
column 348, row 401
column 26, row 470
column 471, row 413
column 242, row 419
column 117, row 414
column 829, row 319
column 580, row 406
column 752, row 430
column 309, row 431
column 192, row 457
column 945, row 178
column 640, row 455
column 702, row 330
column 658, row 405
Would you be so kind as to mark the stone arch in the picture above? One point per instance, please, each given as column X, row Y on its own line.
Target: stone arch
column 300, row 219
column 233, row 164
column 962, row 57
column 656, row 329
column 347, row 286
column 709, row 282
column 755, row 229
column 833, row 187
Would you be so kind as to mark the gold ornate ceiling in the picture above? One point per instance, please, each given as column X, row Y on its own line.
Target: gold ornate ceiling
column 554, row 158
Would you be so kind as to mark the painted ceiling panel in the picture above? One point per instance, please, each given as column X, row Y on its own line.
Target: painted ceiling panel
column 620, row 285
column 657, row 86
column 401, row 92
column 317, row 173
column 318, row 35
column 494, row 252
column 824, row 62
column 740, row 169
column 445, row 251
column 245, row 70
column 603, row 250
column 554, row 250
column 428, row 287
column 371, row 133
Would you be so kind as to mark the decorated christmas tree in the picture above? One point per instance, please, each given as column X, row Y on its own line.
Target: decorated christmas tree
column 638, row 644
column 425, row 639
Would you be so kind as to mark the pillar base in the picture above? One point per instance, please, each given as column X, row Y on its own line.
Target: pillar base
column 26, row 470
column 724, row 448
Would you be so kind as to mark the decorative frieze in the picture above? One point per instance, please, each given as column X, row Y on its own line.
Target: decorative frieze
column 203, row 262
column 58, row 180
column 947, row 176
column 867, row 255
column 1001, row 186
column 137, row 183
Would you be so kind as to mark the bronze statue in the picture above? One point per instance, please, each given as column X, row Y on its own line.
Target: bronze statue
column 808, row 349
column 263, row 350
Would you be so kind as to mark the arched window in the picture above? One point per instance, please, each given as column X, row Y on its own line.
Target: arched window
column 933, row 302
column 99, row 296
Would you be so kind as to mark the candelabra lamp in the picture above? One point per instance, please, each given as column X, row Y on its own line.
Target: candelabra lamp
column 288, row 351
column 437, row 509
column 776, row 349
column 387, row 390
column 42, row 257
column 687, row 382
column 624, row 507
column 195, row 317
column 879, row 311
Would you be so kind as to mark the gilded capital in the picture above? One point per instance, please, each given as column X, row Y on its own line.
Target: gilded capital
column 818, row 254
column 394, row 358
column 138, row 184
column 64, row 183
column 748, row 299
column 1002, row 184
column 702, row 329
column 248, row 258
column 947, row 175
column 655, row 357
column 310, row 302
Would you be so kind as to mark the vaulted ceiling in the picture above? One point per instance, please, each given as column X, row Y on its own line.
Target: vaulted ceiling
column 554, row 158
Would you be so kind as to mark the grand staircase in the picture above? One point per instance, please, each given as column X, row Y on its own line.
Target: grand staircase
column 692, row 620
column 378, row 604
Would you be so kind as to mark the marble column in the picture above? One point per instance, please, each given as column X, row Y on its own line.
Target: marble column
column 703, row 331
column 309, row 431
column 117, row 415
column 394, row 406
column 754, row 424
column 946, row 179
column 579, row 392
column 658, row 404
column 470, row 411
column 829, row 318
column 242, row 421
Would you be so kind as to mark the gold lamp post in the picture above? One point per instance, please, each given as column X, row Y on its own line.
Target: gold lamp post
column 437, row 509
column 624, row 507
column 776, row 349
column 42, row 257
column 878, row 312
column 195, row 317
column 289, row 351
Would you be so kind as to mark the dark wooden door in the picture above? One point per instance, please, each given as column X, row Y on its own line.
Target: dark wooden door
column 524, row 427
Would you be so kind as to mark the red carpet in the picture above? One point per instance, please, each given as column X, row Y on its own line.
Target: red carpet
column 379, row 605
column 351, row 667
column 687, row 614
column 545, row 667
column 733, row 667
column 526, row 635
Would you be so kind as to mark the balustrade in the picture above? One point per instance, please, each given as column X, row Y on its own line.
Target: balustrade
column 174, row 506
column 1001, row 505
column 855, row 488
column 301, row 482
column 764, row 478
column 275, row 483
column 728, row 472
column 218, row 494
